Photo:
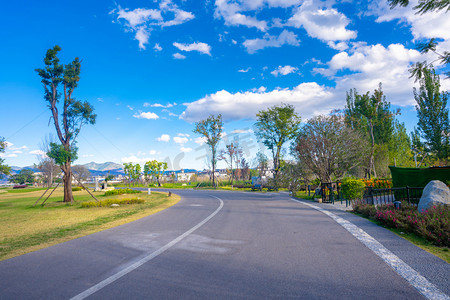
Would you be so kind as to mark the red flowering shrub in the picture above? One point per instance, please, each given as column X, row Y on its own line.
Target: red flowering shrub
column 433, row 224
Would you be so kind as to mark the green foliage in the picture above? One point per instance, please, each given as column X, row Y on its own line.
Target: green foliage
column 400, row 147
column 24, row 176
column 121, row 192
column 132, row 171
column 109, row 202
column 77, row 188
column 59, row 153
column 211, row 129
column 370, row 115
column 352, row 189
column 432, row 112
column 4, row 169
column 274, row 127
column 432, row 225
column 154, row 168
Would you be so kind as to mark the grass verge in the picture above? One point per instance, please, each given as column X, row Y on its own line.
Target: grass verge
column 26, row 228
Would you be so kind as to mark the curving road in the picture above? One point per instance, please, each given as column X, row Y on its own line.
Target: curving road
column 223, row 245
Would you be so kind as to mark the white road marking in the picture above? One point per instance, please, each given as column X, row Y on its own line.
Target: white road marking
column 426, row 288
column 147, row 258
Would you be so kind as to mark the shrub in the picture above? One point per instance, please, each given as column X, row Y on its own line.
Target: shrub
column 352, row 189
column 109, row 202
column 432, row 225
column 76, row 189
column 121, row 192
column 377, row 183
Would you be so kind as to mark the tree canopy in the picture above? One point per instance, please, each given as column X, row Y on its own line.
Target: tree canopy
column 432, row 112
column 274, row 127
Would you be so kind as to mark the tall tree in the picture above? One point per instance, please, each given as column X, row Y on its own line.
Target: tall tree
column 229, row 155
column 432, row 113
column 400, row 146
column 46, row 165
column 132, row 171
column 81, row 172
column 274, row 127
column 372, row 116
column 425, row 6
column 155, row 169
column 60, row 81
column 211, row 130
column 261, row 162
column 4, row 169
column 328, row 147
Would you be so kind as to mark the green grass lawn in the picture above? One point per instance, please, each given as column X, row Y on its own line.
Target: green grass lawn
column 27, row 228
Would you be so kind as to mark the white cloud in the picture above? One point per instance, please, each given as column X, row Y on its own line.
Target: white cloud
column 184, row 134
column 138, row 16
column 157, row 47
column 284, row 70
column 87, row 155
column 285, row 38
column 341, row 46
column 38, row 152
column 141, row 21
column 8, row 155
column 200, row 47
column 374, row 64
column 242, row 131
column 136, row 160
column 435, row 24
column 244, row 70
column 178, row 56
column 9, row 144
column 152, row 152
column 323, row 23
column 146, row 104
column 231, row 12
column 184, row 149
column 181, row 17
column 200, row 140
column 163, row 138
column 146, row 115
column 130, row 107
column 142, row 35
column 309, row 98
column 180, row 140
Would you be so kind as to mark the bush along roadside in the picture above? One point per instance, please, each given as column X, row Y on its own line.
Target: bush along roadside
column 121, row 192
column 433, row 224
column 109, row 202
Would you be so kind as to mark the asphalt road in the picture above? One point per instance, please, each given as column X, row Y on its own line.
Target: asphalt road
column 213, row 245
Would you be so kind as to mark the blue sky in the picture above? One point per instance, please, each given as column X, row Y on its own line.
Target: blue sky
column 152, row 68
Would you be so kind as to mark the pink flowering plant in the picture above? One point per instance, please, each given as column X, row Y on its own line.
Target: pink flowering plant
column 433, row 224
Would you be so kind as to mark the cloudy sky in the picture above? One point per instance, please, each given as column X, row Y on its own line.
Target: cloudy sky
column 151, row 68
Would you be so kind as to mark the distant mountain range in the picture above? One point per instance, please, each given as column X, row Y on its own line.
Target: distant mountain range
column 107, row 166
column 96, row 169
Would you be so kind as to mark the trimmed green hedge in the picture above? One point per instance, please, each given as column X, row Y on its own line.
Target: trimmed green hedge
column 121, row 192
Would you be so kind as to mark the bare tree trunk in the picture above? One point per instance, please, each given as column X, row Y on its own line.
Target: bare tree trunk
column 372, row 154
column 67, row 180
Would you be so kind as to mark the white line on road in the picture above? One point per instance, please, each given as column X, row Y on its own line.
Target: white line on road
column 147, row 258
column 426, row 288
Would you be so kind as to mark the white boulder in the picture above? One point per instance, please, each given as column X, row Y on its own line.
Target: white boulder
column 436, row 192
